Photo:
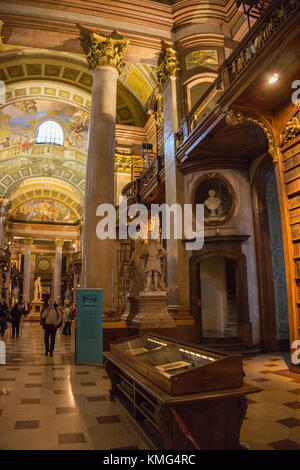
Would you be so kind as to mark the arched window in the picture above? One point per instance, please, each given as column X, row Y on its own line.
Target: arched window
column 50, row 131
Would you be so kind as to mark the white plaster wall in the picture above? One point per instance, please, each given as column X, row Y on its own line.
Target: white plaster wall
column 241, row 223
column 121, row 179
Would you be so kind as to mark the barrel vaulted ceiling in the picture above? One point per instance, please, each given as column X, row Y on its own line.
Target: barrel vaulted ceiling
column 28, row 72
column 41, row 84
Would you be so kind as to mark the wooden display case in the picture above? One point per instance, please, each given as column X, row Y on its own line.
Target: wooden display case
column 211, row 418
column 179, row 368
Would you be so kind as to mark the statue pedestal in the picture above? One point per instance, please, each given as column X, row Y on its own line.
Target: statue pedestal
column 36, row 309
column 131, row 309
column 153, row 311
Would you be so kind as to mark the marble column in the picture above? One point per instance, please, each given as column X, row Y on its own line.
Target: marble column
column 75, row 285
column 32, row 273
column 57, row 270
column 106, row 59
column 177, row 262
column 7, row 277
column 27, row 265
column 5, row 205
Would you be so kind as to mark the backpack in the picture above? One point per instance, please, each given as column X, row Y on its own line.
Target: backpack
column 43, row 320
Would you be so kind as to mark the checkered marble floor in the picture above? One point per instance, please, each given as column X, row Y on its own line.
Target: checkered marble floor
column 51, row 403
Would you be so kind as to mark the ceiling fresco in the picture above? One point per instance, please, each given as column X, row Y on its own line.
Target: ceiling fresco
column 19, row 123
column 44, row 210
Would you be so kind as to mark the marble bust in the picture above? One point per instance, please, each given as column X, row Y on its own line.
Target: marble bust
column 213, row 204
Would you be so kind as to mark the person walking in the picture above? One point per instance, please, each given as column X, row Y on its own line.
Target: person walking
column 68, row 319
column 16, row 313
column 3, row 316
column 51, row 317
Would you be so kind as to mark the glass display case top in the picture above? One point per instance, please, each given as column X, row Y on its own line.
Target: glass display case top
column 141, row 345
column 171, row 360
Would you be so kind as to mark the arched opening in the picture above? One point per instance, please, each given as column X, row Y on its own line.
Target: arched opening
column 218, row 288
column 50, row 132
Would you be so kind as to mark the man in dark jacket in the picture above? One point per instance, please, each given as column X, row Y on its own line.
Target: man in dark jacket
column 51, row 317
column 15, row 314
column 3, row 316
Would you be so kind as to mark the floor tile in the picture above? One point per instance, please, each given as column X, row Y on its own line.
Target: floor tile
column 293, row 404
column 99, row 398
column 108, row 419
column 65, row 410
column 27, row 425
column 30, row 401
column 290, row 422
column 285, row 444
column 71, row 438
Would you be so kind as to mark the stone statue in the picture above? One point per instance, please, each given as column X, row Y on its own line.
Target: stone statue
column 68, row 297
column 136, row 269
column 37, row 289
column 213, row 204
column 15, row 295
column 155, row 253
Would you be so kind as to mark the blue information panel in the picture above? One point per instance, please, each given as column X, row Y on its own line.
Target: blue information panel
column 89, row 332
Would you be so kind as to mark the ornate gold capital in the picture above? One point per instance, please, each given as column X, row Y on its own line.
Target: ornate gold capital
column 28, row 241
column 236, row 117
column 59, row 242
column 107, row 51
column 168, row 65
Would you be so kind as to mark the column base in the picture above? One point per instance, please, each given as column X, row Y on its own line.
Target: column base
column 181, row 313
column 110, row 315
column 153, row 311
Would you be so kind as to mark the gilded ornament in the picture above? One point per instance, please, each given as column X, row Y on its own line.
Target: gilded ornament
column 235, row 117
column 291, row 130
column 168, row 65
column 2, row 46
column 107, row 51
column 201, row 58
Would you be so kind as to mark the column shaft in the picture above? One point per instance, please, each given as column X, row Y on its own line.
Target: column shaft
column 57, row 272
column 98, row 254
column 177, row 262
column 26, row 276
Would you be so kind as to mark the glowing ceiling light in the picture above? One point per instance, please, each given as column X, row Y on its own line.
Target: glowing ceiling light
column 274, row 78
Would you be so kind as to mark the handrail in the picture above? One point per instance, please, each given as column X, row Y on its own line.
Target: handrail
column 183, row 429
column 135, row 187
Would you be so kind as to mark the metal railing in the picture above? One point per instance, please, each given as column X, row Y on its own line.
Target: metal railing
column 152, row 174
column 182, row 434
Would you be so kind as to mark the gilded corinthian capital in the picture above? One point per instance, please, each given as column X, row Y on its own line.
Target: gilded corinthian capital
column 107, row 51
column 168, row 65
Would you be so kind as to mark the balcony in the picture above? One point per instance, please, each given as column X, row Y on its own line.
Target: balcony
column 145, row 187
column 270, row 45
